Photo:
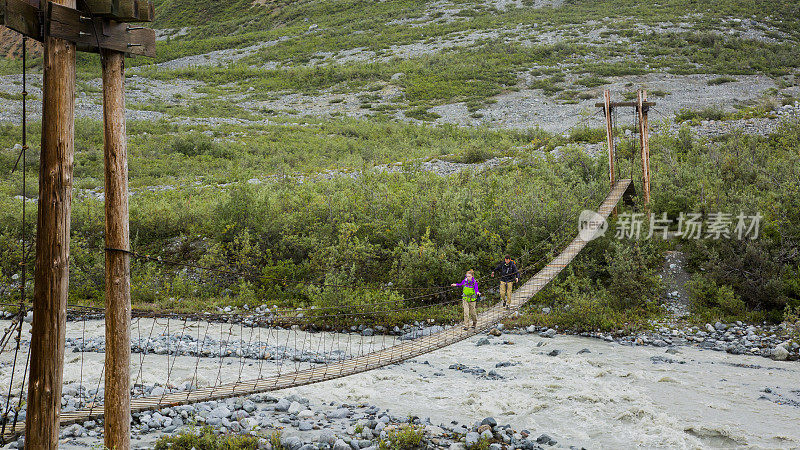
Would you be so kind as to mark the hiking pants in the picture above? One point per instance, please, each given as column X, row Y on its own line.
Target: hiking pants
column 505, row 290
column 469, row 311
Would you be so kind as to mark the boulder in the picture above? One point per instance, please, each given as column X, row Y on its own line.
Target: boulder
column 341, row 445
column 291, row 442
column 471, row 439
column 295, row 408
column 489, row 421
column 327, row 436
column 283, row 405
column 548, row 334
column 780, row 353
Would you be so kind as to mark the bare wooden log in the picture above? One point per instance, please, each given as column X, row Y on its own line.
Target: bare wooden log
column 117, row 275
column 644, row 136
column 51, row 276
column 609, row 135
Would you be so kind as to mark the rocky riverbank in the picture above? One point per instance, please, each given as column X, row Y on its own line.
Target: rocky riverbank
column 298, row 424
column 769, row 341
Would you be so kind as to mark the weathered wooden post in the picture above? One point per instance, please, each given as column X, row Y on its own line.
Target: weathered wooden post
column 51, row 275
column 609, row 135
column 642, row 107
column 609, row 140
column 64, row 30
column 117, row 276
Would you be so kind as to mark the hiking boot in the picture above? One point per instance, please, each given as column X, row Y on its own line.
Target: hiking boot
column 466, row 327
column 505, row 304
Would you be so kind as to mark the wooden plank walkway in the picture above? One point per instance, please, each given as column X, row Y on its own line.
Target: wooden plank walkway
column 370, row 361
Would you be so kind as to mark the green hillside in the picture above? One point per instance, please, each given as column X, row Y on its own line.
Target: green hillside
column 295, row 140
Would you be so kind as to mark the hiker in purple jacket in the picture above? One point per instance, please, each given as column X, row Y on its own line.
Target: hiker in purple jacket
column 469, row 296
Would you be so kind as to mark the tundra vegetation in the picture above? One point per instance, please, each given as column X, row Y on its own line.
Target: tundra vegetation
column 284, row 209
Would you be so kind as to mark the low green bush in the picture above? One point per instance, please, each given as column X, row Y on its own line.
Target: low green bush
column 721, row 80
column 712, row 302
column 705, row 293
column 206, row 439
column 405, row 437
column 707, row 113
column 586, row 134
column 422, row 113
column 196, row 144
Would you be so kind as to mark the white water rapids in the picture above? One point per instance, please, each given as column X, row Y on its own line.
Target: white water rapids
column 613, row 397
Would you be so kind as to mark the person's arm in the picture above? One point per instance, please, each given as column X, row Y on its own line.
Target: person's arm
column 515, row 272
column 460, row 284
column 498, row 268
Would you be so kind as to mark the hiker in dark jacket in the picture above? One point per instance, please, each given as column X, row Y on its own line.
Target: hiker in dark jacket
column 508, row 276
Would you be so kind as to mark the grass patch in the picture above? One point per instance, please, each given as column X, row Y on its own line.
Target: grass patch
column 592, row 81
column 721, row 80
column 422, row 113
column 695, row 116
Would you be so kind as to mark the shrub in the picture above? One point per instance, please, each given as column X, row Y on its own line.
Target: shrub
column 586, row 134
column 275, row 441
column 721, row 80
column 482, row 444
column 633, row 281
column 592, row 81
column 705, row 293
column 405, row 437
column 791, row 317
column 205, row 439
column 707, row 113
column 196, row 144
column 421, row 113
column 476, row 154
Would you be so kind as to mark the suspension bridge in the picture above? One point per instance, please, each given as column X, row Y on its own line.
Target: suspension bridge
column 351, row 357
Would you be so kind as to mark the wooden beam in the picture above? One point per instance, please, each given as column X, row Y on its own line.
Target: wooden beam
column 117, row 275
column 126, row 10
column 644, row 130
column 21, row 17
column 633, row 104
column 146, row 11
column 120, row 10
column 101, row 8
column 51, row 276
column 87, row 33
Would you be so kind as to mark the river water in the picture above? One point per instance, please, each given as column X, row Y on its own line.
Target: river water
column 614, row 397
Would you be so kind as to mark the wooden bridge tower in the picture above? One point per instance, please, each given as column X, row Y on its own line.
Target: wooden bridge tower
column 63, row 28
column 641, row 108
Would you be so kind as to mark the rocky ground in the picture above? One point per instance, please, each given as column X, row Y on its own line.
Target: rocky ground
column 299, row 424
column 522, row 109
